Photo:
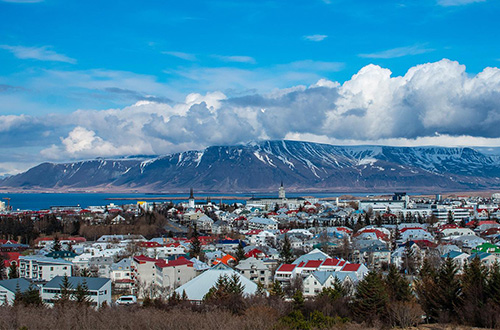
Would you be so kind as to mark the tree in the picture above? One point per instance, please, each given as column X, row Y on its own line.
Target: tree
column 410, row 260
column 56, row 246
column 493, row 284
column 13, row 271
column 398, row 288
column 82, row 293
column 65, row 290
column 277, row 290
column 286, row 251
column 370, row 300
column 3, row 273
column 474, row 285
column 448, row 290
column 450, row 219
column 195, row 243
column 32, row 296
column 240, row 252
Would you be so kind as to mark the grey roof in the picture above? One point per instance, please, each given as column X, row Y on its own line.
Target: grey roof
column 12, row 284
column 315, row 254
column 44, row 259
column 93, row 283
column 122, row 264
column 249, row 262
column 198, row 287
column 263, row 221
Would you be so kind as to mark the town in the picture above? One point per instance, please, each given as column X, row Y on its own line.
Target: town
column 149, row 252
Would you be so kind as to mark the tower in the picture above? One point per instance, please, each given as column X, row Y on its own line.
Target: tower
column 191, row 199
column 281, row 191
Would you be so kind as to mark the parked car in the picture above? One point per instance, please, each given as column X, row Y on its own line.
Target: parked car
column 126, row 300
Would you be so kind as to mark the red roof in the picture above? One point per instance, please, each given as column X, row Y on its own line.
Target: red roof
column 256, row 253
column 5, row 241
column 149, row 244
column 331, row 262
column 143, row 259
column 286, row 268
column 351, row 267
column 313, row 263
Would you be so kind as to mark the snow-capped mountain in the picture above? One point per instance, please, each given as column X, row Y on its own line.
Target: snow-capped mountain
column 262, row 166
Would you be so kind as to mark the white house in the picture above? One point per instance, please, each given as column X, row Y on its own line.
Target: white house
column 8, row 289
column 99, row 289
column 262, row 223
column 38, row 268
column 174, row 273
column 198, row 287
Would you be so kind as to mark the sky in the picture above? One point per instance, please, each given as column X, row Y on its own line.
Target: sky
column 87, row 79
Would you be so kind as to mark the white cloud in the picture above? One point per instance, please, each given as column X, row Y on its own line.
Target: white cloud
column 181, row 55
column 236, row 59
column 44, row 53
column 398, row 52
column 433, row 103
column 448, row 3
column 316, row 37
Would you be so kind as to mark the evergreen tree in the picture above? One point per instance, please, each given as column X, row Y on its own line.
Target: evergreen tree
column 32, row 296
column 82, row 293
column 286, row 251
column 240, row 252
column 261, row 289
column 448, row 289
column 3, row 269
column 426, row 290
column 56, row 246
column 195, row 243
column 277, row 290
column 450, row 219
column 371, row 299
column 493, row 284
column 398, row 288
column 474, row 284
column 13, row 271
column 66, row 290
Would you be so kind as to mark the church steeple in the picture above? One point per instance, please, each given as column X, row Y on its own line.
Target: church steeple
column 191, row 199
column 281, row 191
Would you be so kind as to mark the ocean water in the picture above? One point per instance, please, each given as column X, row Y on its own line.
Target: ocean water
column 41, row 201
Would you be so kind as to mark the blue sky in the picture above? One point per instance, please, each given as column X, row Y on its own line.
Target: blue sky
column 223, row 64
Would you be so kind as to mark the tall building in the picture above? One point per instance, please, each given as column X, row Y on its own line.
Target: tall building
column 281, row 191
column 191, row 199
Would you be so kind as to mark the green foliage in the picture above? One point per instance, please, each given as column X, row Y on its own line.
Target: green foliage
column 30, row 297
column 225, row 287
column 315, row 320
column 277, row 290
column 261, row 289
column 371, row 298
column 66, row 290
column 13, row 271
column 493, row 284
column 474, row 294
column 398, row 288
column 2, row 267
column 337, row 291
column 240, row 252
column 82, row 294
column 286, row 251
column 56, row 246
column 195, row 243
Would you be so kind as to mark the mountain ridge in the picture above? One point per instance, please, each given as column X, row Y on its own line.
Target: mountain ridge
column 261, row 166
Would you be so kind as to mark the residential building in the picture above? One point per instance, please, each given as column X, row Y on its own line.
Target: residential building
column 99, row 289
column 38, row 268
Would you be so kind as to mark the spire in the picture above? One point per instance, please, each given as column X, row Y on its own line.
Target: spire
column 191, row 196
column 282, row 183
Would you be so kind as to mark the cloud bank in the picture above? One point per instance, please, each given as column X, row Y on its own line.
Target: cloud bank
column 433, row 103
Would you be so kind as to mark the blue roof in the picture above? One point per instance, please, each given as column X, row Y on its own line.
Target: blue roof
column 93, row 283
column 480, row 255
column 452, row 254
column 12, row 284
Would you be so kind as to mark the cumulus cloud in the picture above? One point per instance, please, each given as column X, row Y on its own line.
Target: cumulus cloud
column 44, row 53
column 433, row 103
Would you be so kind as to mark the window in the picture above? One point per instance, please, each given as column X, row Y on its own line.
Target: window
column 51, row 269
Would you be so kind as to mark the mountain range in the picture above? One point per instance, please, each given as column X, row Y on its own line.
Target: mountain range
column 261, row 166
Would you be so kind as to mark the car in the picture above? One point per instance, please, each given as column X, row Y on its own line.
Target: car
column 126, row 300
